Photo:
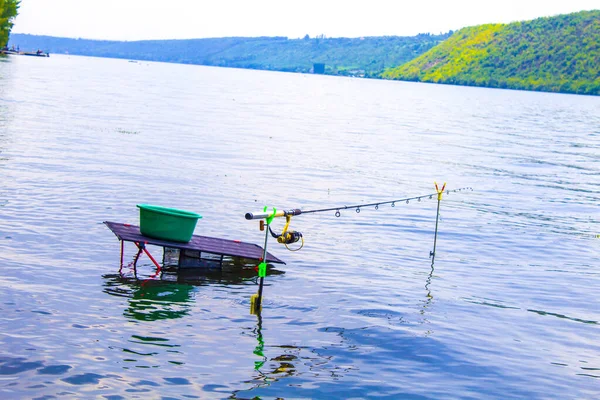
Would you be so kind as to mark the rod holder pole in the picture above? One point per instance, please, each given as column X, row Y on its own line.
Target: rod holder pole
column 432, row 253
column 440, row 193
column 256, row 300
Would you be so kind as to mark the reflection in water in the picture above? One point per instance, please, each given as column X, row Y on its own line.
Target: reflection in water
column 171, row 297
column 277, row 366
column 150, row 300
column 174, row 284
column 269, row 370
column 5, row 114
column 151, row 303
column 167, row 292
column 428, row 282
column 259, row 349
column 429, row 297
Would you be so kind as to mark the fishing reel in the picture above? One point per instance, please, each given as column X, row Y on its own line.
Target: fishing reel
column 288, row 237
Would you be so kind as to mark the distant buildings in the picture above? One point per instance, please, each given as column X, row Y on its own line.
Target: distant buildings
column 318, row 68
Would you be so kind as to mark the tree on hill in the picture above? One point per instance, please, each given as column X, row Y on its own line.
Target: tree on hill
column 8, row 11
column 555, row 54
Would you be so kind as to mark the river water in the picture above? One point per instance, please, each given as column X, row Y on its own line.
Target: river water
column 509, row 309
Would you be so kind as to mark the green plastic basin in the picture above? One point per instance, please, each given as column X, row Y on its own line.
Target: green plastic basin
column 167, row 223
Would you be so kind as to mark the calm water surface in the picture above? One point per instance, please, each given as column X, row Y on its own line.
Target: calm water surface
column 509, row 310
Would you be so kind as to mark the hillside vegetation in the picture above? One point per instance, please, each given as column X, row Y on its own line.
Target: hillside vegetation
column 8, row 11
column 345, row 56
column 557, row 54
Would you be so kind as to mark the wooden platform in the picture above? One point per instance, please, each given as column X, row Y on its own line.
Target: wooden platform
column 203, row 244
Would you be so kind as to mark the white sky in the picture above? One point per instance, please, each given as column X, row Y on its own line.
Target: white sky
column 184, row 19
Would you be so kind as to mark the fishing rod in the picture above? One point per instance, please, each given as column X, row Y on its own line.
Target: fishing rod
column 357, row 207
column 287, row 236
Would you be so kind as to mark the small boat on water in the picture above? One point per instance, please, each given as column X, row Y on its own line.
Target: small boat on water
column 35, row 54
column 38, row 53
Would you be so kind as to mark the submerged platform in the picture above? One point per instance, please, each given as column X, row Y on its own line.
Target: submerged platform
column 214, row 248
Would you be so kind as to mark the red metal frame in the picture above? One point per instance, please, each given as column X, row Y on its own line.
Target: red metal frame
column 141, row 249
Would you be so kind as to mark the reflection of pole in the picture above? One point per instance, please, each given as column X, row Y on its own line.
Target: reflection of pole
column 427, row 283
column 429, row 299
column 440, row 192
column 259, row 349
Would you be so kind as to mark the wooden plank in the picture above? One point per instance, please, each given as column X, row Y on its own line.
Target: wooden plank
column 232, row 248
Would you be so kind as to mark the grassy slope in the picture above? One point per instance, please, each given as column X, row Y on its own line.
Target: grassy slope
column 557, row 54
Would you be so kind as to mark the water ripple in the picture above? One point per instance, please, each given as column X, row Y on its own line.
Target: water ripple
column 360, row 312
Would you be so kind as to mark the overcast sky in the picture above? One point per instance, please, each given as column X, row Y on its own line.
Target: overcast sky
column 184, row 19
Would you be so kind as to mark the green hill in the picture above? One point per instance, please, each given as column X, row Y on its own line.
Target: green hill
column 555, row 54
column 367, row 56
